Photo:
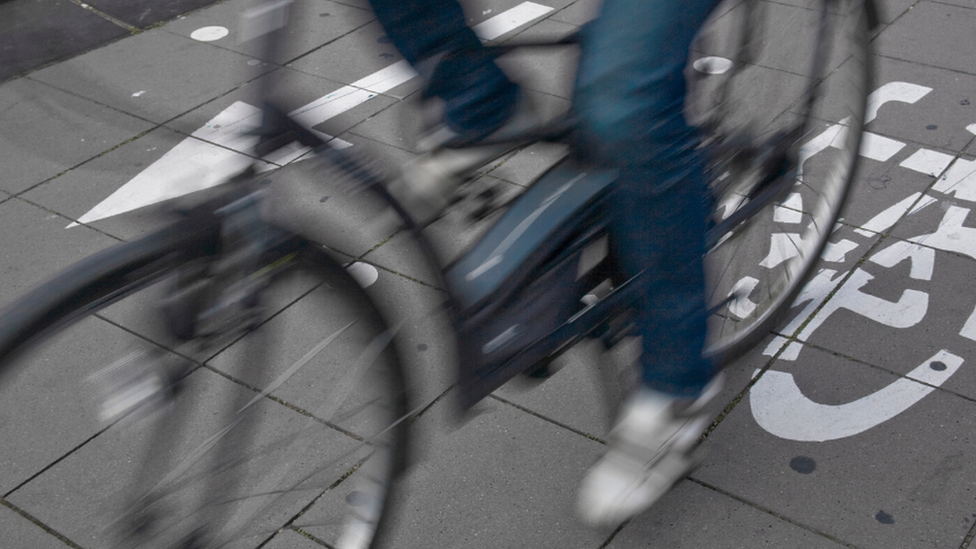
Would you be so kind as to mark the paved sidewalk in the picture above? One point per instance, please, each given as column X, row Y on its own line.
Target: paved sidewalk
column 860, row 434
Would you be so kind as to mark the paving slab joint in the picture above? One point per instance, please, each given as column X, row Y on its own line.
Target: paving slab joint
column 39, row 524
column 107, row 17
column 772, row 513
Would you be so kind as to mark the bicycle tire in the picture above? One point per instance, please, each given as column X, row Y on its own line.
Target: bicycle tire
column 287, row 457
column 748, row 92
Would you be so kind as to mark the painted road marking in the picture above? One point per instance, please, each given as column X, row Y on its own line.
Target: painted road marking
column 219, row 149
column 887, row 218
column 873, row 146
column 209, row 34
column 951, row 236
column 922, row 259
column 836, row 253
column 903, row 92
column 510, row 20
column 959, row 181
column 907, row 311
column 777, row 403
column 969, row 329
column 878, row 147
column 781, row 408
column 927, row 162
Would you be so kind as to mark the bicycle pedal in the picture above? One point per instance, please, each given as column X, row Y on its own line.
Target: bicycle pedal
column 132, row 388
column 542, row 371
column 490, row 202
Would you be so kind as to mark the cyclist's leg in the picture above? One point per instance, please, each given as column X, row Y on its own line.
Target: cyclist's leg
column 479, row 97
column 630, row 96
column 664, row 233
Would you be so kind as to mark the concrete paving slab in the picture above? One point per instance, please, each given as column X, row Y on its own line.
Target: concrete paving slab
column 886, row 191
column 695, row 516
column 63, row 496
column 549, row 70
column 290, row 539
column 21, row 532
column 763, row 92
column 529, row 163
column 900, row 483
column 295, row 92
column 890, row 10
column 355, row 56
column 48, row 402
column 314, row 200
column 397, row 125
column 33, row 34
column 451, row 235
column 844, row 254
column 46, row 131
column 924, row 225
column 589, row 384
column 384, row 158
column 583, row 391
column 403, row 256
column 578, row 12
column 943, row 324
column 35, row 246
column 314, row 24
column 401, row 124
column 897, row 484
column 368, row 49
column 146, row 13
column 363, row 4
column 875, row 304
column 155, row 75
column 478, row 11
column 962, row 3
column 426, row 345
column 951, row 48
column 142, row 313
column 482, row 484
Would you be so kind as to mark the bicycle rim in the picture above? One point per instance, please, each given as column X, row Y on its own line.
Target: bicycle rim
column 290, row 426
column 762, row 70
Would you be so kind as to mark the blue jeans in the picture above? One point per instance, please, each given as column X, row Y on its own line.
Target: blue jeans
column 479, row 97
column 629, row 96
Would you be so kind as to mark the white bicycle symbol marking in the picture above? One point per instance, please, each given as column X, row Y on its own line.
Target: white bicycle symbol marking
column 776, row 402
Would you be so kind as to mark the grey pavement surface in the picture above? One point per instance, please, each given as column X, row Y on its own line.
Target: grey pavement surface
column 859, row 434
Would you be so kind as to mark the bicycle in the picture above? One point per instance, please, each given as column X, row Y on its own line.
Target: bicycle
column 226, row 283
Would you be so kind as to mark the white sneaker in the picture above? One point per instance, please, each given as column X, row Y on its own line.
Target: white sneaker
column 650, row 450
column 426, row 186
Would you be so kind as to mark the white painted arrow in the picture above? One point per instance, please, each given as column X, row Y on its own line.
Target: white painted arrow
column 781, row 409
column 220, row 148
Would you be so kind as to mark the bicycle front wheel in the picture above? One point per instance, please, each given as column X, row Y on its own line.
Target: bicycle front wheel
column 163, row 413
column 780, row 93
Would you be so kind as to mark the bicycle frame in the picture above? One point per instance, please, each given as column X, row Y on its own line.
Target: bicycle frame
column 504, row 320
column 515, row 295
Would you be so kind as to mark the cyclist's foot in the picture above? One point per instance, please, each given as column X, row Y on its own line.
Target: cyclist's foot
column 650, row 450
column 426, row 186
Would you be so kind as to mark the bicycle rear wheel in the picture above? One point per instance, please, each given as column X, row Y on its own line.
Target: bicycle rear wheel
column 272, row 422
column 780, row 93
